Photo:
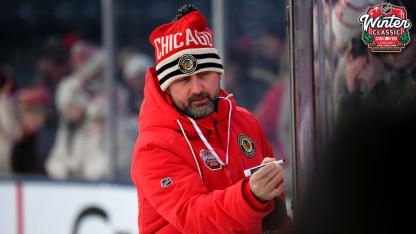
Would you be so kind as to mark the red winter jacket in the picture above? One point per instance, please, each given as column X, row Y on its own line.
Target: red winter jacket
column 172, row 196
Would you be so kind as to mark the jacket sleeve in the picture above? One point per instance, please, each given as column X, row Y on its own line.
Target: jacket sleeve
column 179, row 195
column 278, row 218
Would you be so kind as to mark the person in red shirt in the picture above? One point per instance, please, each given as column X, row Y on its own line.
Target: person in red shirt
column 195, row 143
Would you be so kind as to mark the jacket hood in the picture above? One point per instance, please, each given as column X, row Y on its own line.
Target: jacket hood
column 157, row 111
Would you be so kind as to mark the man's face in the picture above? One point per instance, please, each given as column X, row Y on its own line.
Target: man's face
column 196, row 94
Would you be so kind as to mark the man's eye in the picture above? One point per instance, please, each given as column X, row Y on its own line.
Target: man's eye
column 183, row 79
column 204, row 73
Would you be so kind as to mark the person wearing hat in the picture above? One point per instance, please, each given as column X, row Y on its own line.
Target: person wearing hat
column 134, row 67
column 33, row 106
column 195, row 143
column 379, row 77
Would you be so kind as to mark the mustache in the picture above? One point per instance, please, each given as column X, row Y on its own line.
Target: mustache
column 198, row 96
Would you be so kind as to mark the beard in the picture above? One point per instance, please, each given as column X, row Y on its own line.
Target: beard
column 201, row 110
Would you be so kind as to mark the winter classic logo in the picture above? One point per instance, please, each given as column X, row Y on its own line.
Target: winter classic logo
column 187, row 64
column 246, row 145
column 385, row 28
column 210, row 161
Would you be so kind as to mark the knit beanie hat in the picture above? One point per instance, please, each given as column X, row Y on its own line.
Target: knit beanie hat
column 184, row 47
column 345, row 19
column 34, row 98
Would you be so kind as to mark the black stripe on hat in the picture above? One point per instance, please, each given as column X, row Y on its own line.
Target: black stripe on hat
column 175, row 62
column 199, row 67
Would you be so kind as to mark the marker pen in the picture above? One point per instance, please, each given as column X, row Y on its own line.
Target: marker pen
column 249, row 172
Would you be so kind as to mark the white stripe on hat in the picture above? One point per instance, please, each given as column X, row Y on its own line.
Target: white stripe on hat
column 166, row 84
column 176, row 67
column 192, row 51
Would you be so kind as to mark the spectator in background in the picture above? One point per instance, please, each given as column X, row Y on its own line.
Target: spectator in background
column 53, row 67
column 251, row 71
column 344, row 23
column 73, row 96
column 53, row 64
column 239, row 80
column 33, row 107
column 400, row 86
column 66, row 153
column 87, row 61
column 358, row 73
column 8, row 119
column 267, row 67
column 134, row 68
column 237, row 74
column 79, row 150
column 336, row 37
column 380, row 77
column 96, row 161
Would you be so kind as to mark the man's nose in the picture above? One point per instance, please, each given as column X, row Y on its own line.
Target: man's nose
column 196, row 84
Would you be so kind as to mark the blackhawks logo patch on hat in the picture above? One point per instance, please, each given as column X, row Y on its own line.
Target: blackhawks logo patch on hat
column 187, row 64
column 246, row 145
column 210, row 161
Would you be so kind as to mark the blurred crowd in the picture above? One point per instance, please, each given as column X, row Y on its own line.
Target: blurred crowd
column 356, row 74
column 55, row 125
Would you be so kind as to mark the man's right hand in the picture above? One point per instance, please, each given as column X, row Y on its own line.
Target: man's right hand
column 267, row 183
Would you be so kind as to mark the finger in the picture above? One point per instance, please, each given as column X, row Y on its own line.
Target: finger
column 275, row 180
column 272, row 174
column 278, row 191
column 277, row 169
column 267, row 160
column 264, row 174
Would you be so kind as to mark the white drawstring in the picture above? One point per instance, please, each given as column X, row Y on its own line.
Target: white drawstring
column 201, row 135
column 189, row 144
column 207, row 144
column 229, row 124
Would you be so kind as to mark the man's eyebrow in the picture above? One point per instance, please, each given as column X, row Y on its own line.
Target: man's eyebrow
column 184, row 78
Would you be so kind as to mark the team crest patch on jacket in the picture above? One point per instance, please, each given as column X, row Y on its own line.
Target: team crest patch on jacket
column 210, row 161
column 246, row 145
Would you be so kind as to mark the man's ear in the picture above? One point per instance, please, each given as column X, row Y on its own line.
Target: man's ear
column 220, row 75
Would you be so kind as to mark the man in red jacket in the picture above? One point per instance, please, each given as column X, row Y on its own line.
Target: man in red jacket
column 195, row 143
